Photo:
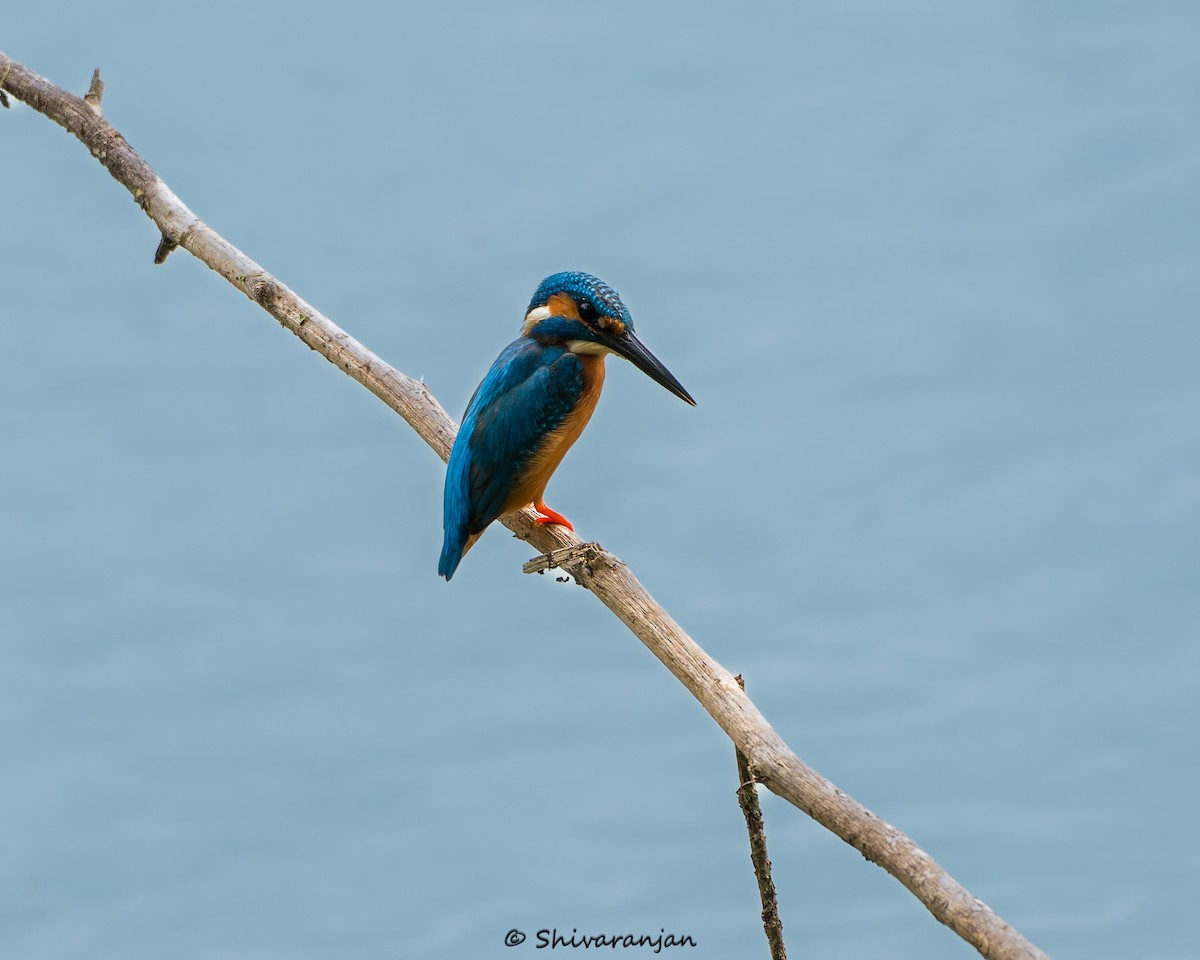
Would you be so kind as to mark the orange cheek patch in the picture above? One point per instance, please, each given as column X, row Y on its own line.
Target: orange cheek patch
column 613, row 325
column 561, row 305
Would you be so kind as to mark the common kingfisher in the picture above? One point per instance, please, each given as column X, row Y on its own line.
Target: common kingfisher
column 534, row 403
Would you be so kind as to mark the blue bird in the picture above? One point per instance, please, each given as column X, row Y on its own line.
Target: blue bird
column 534, row 403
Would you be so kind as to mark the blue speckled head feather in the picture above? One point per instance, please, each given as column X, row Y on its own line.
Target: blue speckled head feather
column 576, row 283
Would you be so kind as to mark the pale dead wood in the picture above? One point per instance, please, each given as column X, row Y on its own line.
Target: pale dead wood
column 774, row 764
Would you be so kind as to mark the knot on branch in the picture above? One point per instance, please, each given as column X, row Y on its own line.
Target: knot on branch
column 264, row 290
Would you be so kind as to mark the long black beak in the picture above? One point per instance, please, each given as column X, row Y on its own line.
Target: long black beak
column 633, row 350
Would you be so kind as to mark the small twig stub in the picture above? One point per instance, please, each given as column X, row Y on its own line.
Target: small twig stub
column 165, row 246
column 95, row 92
column 564, row 557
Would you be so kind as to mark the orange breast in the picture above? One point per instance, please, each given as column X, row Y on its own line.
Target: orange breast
column 543, row 464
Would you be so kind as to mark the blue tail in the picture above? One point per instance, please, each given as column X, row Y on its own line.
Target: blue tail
column 452, row 551
column 456, row 513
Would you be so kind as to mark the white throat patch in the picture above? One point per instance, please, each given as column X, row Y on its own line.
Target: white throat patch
column 587, row 346
column 533, row 318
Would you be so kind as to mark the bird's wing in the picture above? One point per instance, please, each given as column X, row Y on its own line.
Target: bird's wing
column 528, row 392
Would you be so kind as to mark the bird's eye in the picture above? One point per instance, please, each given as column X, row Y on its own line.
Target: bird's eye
column 587, row 310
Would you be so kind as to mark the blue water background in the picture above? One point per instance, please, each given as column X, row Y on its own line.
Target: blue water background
column 931, row 271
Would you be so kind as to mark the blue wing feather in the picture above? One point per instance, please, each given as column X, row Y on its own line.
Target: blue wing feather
column 527, row 393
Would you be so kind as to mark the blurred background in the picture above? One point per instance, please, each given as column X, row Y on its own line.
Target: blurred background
column 931, row 274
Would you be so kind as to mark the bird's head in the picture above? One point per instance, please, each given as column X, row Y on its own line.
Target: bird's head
column 584, row 314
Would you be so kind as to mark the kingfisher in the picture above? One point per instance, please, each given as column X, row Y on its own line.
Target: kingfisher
column 534, row 403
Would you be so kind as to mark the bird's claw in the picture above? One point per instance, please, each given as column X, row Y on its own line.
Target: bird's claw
column 546, row 515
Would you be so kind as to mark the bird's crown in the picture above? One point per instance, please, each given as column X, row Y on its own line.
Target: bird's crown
column 595, row 302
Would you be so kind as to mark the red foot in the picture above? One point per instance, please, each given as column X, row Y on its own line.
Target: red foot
column 550, row 516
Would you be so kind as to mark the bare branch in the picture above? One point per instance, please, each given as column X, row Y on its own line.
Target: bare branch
column 748, row 800
column 776, row 766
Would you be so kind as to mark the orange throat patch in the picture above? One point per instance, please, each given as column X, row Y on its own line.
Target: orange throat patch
column 543, row 463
